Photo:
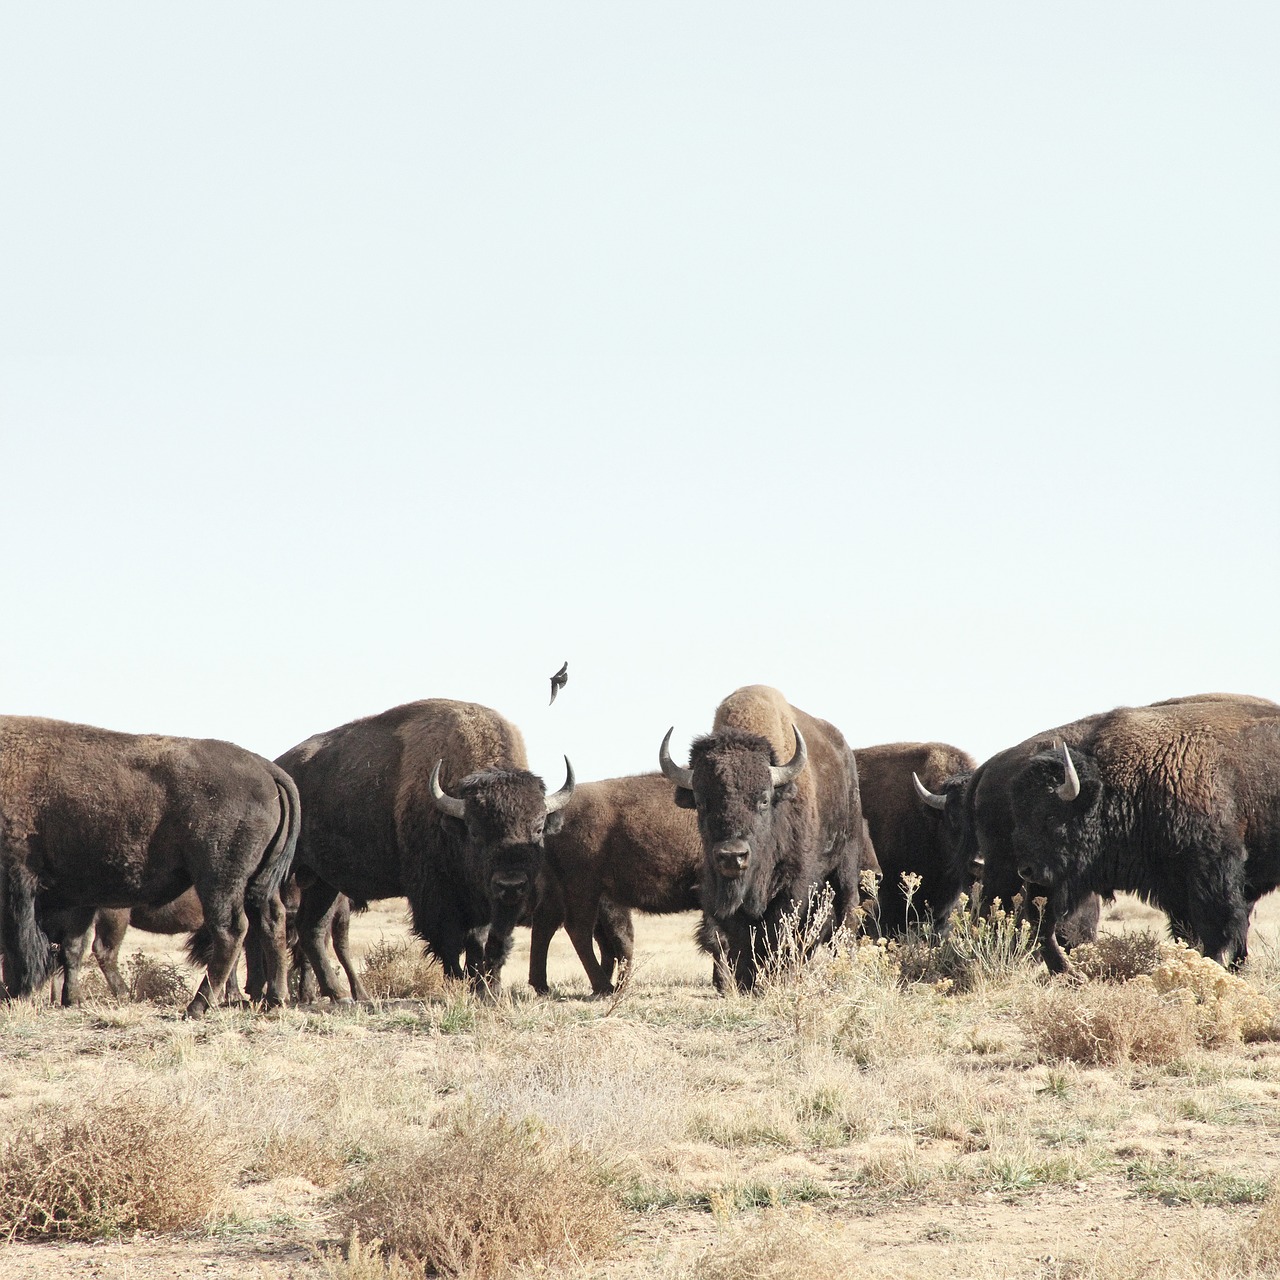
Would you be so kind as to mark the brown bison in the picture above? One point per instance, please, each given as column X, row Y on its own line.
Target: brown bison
column 92, row 818
column 623, row 846
column 776, row 794
column 434, row 801
column 1178, row 802
column 904, row 788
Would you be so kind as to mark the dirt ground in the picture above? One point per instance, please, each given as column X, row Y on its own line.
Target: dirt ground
column 960, row 1154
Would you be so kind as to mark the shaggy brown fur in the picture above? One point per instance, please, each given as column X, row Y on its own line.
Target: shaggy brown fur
column 623, row 843
column 798, row 836
column 907, row 834
column 371, row 829
column 94, row 818
column 1179, row 802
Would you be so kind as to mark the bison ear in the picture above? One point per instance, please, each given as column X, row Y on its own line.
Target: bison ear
column 685, row 799
column 554, row 822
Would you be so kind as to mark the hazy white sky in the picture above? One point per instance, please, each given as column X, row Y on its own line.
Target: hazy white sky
column 920, row 359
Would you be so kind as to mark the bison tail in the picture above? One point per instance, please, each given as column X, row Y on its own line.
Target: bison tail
column 28, row 954
column 200, row 947
column 276, row 864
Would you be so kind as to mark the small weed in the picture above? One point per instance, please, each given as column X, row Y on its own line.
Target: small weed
column 1178, row 1182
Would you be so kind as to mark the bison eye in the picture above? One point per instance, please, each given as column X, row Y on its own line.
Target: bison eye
column 762, row 802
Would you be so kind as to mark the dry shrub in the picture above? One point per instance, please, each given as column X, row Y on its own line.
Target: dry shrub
column 289, row 1152
column 1117, row 957
column 973, row 952
column 400, row 970
column 1225, row 1009
column 482, row 1195
column 777, row 1246
column 113, row 1165
column 157, row 980
column 1108, row 1025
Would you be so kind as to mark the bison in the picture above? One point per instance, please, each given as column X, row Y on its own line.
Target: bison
column 776, row 794
column 623, row 846
column 905, row 789
column 94, row 818
column 1178, row 802
column 434, row 801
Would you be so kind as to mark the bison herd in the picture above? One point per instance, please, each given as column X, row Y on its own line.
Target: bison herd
column 434, row 801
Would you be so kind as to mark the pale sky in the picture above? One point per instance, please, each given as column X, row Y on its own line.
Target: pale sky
column 922, row 360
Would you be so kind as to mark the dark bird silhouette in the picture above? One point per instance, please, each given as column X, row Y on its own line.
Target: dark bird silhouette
column 558, row 681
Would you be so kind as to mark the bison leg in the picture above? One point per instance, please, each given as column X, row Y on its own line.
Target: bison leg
column 110, row 927
column 315, row 919
column 487, row 981
column 580, row 924
column 548, row 916
column 227, row 924
column 340, row 931
column 616, row 937
column 75, row 946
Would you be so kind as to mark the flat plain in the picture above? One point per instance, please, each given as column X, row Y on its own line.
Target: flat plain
column 842, row 1122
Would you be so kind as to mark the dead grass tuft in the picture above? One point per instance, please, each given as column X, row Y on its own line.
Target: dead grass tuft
column 115, row 1165
column 483, row 1195
column 776, row 1246
column 363, row 1261
column 157, row 981
column 400, row 970
column 1108, row 1025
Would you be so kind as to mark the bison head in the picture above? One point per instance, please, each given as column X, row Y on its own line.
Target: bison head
column 1053, row 799
column 737, row 787
column 505, row 814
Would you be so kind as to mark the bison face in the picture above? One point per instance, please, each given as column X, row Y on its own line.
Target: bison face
column 735, row 787
column 1053, row 800
column 505, row 813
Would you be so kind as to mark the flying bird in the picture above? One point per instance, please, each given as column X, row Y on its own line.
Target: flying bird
column 558, row 681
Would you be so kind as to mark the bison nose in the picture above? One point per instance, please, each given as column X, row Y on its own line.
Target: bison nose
column 976, row 865
column 730, row 856
column 1025, row 872
column 508, row 889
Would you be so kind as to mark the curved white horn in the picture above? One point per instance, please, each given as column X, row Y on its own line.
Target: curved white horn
column 451, row 805
column 565, row 794
column 788, row 772
column 681, row 777
column 1070, row 787
column 927, row 796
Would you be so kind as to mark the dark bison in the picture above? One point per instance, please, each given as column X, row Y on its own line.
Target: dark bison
column 623, row 846
column 905, row 789
column 776, row 794
column 434, row 801
column 1178, row 802
column 94, row 818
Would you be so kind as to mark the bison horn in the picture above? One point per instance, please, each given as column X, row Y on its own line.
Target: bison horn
column 927, row 796
column 451, row 805
column 681, row 777
column 562, row 797
column 782, row 774
column 1070, row 787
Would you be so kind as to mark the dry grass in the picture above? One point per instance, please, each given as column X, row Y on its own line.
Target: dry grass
column 778, row 1245
column 482, row 1195
column 398, row 969
column 361, row 1261
column 110, row 1166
